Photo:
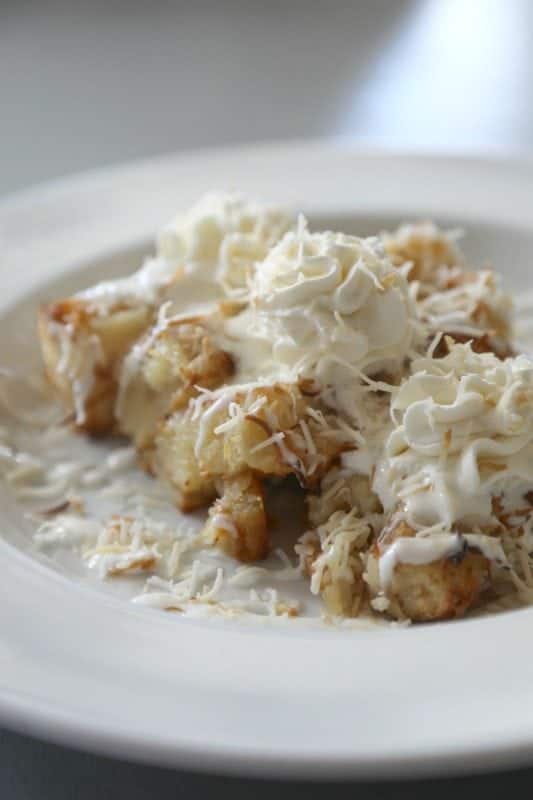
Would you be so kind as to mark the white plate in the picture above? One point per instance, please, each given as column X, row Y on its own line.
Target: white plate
column 86, row 669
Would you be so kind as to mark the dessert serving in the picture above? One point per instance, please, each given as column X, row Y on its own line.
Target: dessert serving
column 373, row 381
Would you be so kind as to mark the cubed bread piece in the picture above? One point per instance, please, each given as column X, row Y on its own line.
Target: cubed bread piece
column 163, row 370
column 264, row 429
column 82, row 350
column 468, row 305
column 175, row 462
column 191, row 452
column 441, row 589
column 425, row 246
column 237, row 521
column 495, row 343
column 473, row 298
column 341, row 490
column 332, row 555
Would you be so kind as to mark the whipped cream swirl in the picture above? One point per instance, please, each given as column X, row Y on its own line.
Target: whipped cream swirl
column 208, row 252
column 327, row 306
column 223, row 236
column 463, row 436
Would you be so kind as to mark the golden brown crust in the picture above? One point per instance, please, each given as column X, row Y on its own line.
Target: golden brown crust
column 439, row 590
column 439, row 266
column 426, row 248
column 181, row 358
column 339, row 492
column 237, row 521
column 271, row 441
column 484, row 343
column 112, row 334
column 332, row 555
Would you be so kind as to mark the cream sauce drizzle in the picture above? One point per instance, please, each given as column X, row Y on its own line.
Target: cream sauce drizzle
column 421, row 550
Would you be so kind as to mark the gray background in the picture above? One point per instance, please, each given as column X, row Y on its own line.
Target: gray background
column 88, row 84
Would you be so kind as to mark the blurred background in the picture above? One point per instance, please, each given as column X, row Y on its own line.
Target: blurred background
column 87, row 84
column 90, row 84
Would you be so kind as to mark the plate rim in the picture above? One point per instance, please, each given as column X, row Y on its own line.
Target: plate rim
column 52, row 723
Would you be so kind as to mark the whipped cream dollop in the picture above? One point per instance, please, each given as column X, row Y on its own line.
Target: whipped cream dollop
column 462, row 436
column 327, row 306
column 207, row 253
column 223, row 236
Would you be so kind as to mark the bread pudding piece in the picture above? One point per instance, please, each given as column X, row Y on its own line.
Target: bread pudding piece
column 485, row 343
column 206, row 254
column 341, row 490
column 333, row 552
column 425, row 246
column 85, row 338
column 165, row 369
column 455, row 471
column 216, row 436
column 231, row 440
column 466, row 304
column 237, row 521
column 174, row 460
column 469, row 306
column 333, row 557
column 82, row 346
column 428, row 578
column 264, row 428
